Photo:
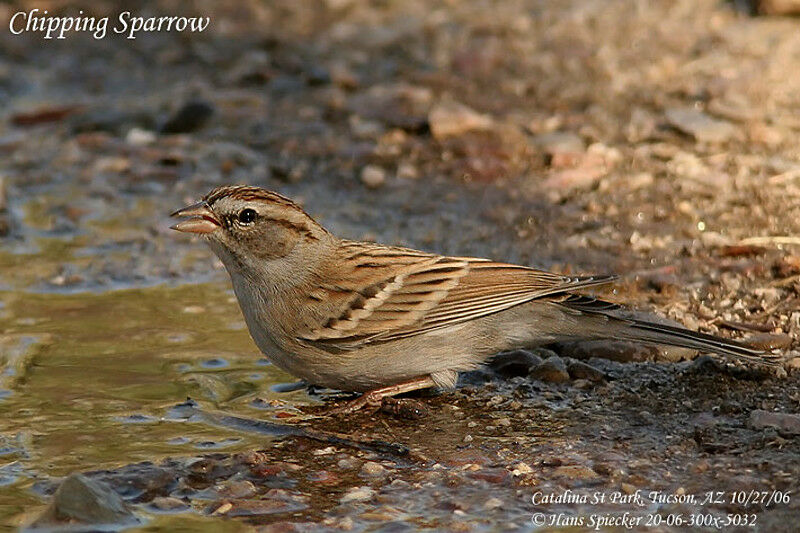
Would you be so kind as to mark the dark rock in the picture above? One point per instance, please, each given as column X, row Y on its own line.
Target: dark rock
column 83, row 500
column 704, row 364
column 552, row 370
column 515, row 363
column 191, row 117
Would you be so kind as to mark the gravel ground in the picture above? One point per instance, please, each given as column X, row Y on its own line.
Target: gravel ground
column 654, row 140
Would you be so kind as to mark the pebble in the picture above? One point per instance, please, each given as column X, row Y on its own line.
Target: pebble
column 407, row 171
column 373, row 176
column 783, row 422
column 770, row 341
column 515, row 363
column 168, row 503
column 80, row 499
column 347, row 463
column 559, row 142
column 493, row 503
column 191, row 117
column 324, row 451
column 551, row 370
column 358, row 494
column 699, row 125
column 579, row 370
column 521, row 469
column 449, row 119
column 575, row 472
column 372, row 469
column 140, row 137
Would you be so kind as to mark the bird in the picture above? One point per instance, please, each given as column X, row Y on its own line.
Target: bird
column 385, row 320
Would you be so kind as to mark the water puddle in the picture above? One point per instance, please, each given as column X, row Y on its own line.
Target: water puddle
column 87, row 380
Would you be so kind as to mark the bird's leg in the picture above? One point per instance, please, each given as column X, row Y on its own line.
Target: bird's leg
column 374, row 397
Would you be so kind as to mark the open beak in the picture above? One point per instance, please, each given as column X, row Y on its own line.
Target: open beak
column 200, row 219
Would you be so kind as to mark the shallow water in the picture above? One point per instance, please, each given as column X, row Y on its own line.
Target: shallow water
column 91, row 377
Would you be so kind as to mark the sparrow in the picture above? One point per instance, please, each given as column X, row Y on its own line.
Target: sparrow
column 385, row 320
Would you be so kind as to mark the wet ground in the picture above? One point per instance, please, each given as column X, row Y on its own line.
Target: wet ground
column 656, row 141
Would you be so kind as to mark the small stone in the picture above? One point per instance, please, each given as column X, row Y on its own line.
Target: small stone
column 168, row 504
column 579, row 370
column 235, row 489
column 559, row 142
column 783, row 422
column 407, row 171
column 372, row 469
column 191, row 117
column 449, row 119
column 347, row 463
column 577, row 172
column 575, row 472
column 468, row 438
column 493, row 503
column 699, row 125
column 551, row 370
column 627, row 488
column 794, row 363
column 770, row 341
column 521, row 469
column 515, row 363
column 140, row 137
column 358, row 494
column 80, row 499
column 373, row 176
column 324, row 451
column 503, row 422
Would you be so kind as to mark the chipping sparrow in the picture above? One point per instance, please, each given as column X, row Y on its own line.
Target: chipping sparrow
column 384, row 320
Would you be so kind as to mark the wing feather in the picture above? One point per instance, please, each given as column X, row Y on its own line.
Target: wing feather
column 415, row 293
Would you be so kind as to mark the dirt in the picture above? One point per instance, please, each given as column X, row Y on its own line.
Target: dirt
column 655, row 141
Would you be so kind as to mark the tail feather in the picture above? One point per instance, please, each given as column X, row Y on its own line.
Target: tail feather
column 685, row 338
column 643, row 331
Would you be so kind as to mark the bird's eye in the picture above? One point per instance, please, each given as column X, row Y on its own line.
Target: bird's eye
column 246, row 216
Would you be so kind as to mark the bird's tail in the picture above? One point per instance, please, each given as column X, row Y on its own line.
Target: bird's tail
column 635, row 330
column 686, row 338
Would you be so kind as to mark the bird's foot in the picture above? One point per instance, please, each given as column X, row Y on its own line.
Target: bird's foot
column 376, row 397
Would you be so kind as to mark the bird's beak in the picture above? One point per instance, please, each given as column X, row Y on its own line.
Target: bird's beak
column 201, row 219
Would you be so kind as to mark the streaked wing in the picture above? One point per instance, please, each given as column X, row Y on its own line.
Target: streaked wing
column 415, row 293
